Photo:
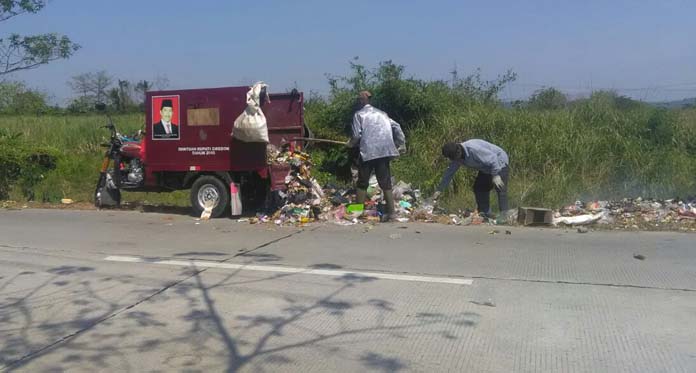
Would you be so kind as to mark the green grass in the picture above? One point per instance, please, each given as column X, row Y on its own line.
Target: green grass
column 559, row 156
column 598, row 148
column 603, row 147
column 81, row 134
column 76, row 139
column 556, row 156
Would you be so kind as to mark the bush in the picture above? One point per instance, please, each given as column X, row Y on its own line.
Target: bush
column 16, row 98
column 605, row 146
column 599, row 147
column 22, row 166
column 660, row 127
column 548, row 99
column 72, row 142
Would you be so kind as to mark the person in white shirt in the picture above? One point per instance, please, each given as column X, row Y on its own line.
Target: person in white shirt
column 165, row 129
column 379, row 138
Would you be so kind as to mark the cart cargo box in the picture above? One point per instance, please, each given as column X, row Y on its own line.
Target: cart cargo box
column 188, row 143
column 205, row 120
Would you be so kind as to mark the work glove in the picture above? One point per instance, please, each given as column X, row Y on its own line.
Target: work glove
column 498, row 182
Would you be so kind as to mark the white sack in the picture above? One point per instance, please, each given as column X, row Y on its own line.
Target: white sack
column 251, row 126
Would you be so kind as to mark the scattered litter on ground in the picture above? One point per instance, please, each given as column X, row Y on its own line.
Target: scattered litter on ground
column 634, row 214
column 207, row 211
column 638, row 256
column 395, row 236
column 304, row 201
column 67, row 201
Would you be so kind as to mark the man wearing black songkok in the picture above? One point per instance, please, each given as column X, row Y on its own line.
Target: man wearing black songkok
column 165, row 129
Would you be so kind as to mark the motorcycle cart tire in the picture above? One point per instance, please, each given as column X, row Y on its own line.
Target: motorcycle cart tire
column 105, row 197
column 207, row 188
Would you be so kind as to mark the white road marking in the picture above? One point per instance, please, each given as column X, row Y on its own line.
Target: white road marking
column 304, row 271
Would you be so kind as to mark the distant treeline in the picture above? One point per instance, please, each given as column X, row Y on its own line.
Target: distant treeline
column 122, row 96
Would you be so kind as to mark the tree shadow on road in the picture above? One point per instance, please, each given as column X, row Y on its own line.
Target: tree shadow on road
column 67, row 319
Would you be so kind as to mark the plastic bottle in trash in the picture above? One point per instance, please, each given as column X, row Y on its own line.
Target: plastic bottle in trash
column 235, row 200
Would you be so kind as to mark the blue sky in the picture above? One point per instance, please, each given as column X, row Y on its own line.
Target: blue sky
column 643, row 48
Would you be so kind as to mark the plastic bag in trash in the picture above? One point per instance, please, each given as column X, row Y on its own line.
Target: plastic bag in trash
column 207, row 210
column 400, row 189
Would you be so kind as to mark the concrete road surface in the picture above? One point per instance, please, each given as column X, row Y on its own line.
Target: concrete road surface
column 86, row 291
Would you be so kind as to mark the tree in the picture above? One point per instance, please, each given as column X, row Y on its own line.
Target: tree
column 141, row 87
column 161, row 82
column 121, row 97
column 614, row 100
column 125, row 101
column 115, row 99
column 16, row 98
column 548, row 99
column 90, row 89
column 100, row 83
column 485, row 91
column 27, row 52
column 81, row 84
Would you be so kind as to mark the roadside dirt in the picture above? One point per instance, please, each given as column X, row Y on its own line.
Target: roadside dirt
column 636, row 226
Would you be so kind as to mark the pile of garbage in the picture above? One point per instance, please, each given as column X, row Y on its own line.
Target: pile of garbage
column 628, row 213
column 305, row 201
column 343, row 210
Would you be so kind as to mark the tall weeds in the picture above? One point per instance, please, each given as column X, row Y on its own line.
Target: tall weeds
column 605, row 146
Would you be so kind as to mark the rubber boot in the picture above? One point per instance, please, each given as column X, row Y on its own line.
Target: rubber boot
column 390, row 212
column 360, row 196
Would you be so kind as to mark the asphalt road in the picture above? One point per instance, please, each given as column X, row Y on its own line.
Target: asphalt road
column 146, row 292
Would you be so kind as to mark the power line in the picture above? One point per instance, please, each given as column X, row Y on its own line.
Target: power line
column 664, row 87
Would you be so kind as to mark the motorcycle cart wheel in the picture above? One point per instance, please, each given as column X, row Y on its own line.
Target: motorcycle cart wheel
column 210, row 188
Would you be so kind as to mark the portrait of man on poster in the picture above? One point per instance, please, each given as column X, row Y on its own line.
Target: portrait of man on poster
column 165, row 128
